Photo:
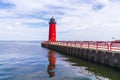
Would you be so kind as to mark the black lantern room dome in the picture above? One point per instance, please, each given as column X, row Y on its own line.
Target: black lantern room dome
column 52, row 20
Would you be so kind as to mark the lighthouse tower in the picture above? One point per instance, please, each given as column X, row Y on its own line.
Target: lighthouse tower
column 52, row 30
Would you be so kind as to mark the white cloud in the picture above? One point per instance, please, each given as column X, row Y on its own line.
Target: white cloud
column 76, row 19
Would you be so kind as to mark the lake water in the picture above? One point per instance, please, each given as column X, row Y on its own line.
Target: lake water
column 27, row 60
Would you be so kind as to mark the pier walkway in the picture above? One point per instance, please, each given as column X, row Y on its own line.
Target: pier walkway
column 103, row 52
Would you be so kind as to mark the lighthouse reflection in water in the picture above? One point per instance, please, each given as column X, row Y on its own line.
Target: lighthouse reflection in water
column 52, row 61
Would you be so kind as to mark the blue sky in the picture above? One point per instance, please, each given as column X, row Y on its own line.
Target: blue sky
column 76, row 19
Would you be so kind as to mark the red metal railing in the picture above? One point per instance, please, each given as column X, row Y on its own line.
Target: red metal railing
column 98, row 45
column 115, row 46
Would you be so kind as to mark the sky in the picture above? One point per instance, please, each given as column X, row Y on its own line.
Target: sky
column 77, row 20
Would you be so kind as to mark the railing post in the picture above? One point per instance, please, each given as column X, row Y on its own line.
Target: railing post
column 75, row 44
column 71, row 44
column 81, row 44
column 111, row 46
column 107, row 46
column 96, row 45
column 66, row 43
column 88, row 45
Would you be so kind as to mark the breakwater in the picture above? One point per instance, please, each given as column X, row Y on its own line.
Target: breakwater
column 105, row 57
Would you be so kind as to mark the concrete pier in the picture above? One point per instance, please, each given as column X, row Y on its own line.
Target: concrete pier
column 105, row 57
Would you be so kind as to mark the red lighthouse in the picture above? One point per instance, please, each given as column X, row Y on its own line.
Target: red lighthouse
column 52, row 30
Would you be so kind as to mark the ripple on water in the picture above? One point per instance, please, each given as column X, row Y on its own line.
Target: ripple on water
column 6, row 74
column 28, row 61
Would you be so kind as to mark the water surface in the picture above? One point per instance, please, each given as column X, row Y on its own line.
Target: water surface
column 27, row 60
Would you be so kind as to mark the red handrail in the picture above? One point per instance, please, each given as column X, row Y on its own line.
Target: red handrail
column 115, row 46
column 103, row 45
